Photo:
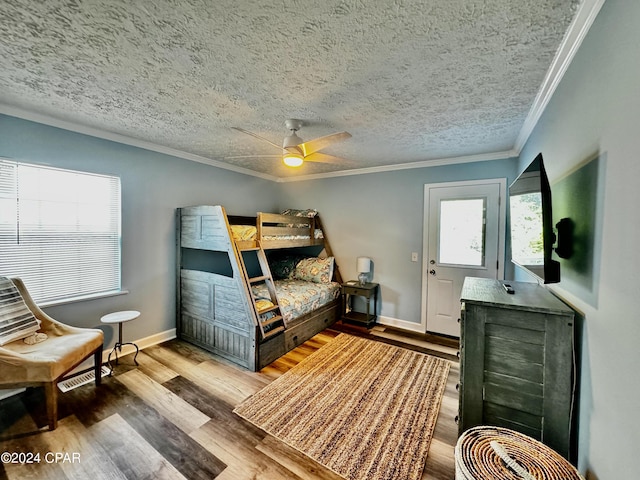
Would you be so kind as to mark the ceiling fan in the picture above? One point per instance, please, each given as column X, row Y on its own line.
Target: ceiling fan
column 296, row 151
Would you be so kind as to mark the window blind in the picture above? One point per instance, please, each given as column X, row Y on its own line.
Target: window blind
column 59, row 231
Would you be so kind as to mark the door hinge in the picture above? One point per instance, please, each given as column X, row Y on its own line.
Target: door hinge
column 497, row 264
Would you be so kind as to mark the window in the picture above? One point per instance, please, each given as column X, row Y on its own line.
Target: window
column 462, row 232
column 59, row 231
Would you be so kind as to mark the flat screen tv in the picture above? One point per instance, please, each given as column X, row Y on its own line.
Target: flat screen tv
column 532, row 234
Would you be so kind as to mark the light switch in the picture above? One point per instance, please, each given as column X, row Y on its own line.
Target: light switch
column 414, row 256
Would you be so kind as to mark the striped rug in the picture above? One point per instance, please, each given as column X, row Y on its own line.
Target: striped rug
column 363, row 409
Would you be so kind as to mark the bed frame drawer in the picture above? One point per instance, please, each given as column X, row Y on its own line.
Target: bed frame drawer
column 311, row 324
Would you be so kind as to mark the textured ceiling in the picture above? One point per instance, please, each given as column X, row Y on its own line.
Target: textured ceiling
column 410, row 80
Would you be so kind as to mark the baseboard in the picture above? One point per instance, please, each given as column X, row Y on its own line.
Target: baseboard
column 142, row 343
column 127, row 349
column 403, row 324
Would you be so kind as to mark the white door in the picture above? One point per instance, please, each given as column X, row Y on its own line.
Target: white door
column 464, row 237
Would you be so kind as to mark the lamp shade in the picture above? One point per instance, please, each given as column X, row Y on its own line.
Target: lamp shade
column 363, row 265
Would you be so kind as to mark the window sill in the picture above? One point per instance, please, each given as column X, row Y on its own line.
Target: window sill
column 64, row 301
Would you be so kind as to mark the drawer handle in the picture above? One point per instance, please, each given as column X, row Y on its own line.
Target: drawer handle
column 457, row 387
column 457, row 419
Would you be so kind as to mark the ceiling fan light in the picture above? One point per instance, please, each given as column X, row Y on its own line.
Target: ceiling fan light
column 292, row 159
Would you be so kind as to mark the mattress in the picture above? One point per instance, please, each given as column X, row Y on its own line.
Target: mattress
column 249, row 232
column 298, row 297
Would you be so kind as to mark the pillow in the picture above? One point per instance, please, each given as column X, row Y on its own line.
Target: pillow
column 16, row 320
column 243, row 232
column 317, row 270
column 309, row 213
column 263, row 304
column 282, row 266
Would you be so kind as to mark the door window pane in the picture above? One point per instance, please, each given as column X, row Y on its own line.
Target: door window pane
column 461, row 235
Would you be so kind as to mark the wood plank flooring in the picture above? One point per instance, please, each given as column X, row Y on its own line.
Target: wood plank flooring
column 172, row 418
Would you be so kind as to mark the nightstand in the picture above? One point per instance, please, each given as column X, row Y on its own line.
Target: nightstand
column 368, row 291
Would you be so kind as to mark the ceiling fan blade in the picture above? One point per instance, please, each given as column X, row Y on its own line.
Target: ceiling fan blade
column 279, row 147
column 323, row 158
column 313, row 146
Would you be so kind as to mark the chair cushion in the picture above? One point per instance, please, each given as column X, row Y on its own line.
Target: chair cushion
column 16, row 320
column 47, row 360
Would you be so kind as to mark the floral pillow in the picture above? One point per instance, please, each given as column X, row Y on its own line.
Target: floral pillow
column 309, row 213
column 317, row 270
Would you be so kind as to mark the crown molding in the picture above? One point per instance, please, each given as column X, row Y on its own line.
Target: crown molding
column 585, row 16
column 437, row 162
column 118, row 138
column 123, row 139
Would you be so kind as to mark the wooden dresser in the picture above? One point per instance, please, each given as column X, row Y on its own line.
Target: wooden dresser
column 517, row 361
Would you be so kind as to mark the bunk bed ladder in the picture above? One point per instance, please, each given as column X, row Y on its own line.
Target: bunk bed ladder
column 270, row 319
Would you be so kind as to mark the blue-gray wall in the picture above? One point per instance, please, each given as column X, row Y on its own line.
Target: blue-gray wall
column 589, row 136
column 380, row 215
column 153, row 186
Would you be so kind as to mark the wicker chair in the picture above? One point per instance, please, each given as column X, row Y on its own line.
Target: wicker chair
column 45, row 363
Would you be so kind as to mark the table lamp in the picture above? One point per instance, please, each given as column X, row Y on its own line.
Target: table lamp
column 363, row 265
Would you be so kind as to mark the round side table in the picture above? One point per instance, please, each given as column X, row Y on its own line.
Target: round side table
column 120, row 318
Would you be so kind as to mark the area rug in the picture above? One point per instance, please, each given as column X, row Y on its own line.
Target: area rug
column 363, row 409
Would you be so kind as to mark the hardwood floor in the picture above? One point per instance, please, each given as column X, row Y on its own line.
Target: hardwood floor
column 171, row 417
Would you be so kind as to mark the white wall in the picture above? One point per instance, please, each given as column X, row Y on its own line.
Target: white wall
column 380, row 215
column 595, row 112
column 153, row 186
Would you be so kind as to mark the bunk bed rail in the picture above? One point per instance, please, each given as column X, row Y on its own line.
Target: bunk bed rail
column 286, row 231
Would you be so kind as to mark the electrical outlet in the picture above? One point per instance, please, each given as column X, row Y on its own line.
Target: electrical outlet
column 414, row 256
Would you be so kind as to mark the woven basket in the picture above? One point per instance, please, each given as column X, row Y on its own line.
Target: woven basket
column 494, row 452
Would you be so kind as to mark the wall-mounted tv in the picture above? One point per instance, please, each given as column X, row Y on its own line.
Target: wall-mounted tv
column 532, row 234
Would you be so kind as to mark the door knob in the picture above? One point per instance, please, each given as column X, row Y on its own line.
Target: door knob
column 432, row 271
column 432, row 262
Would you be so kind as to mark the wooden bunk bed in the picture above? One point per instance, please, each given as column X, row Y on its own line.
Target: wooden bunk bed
column 228, row 301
